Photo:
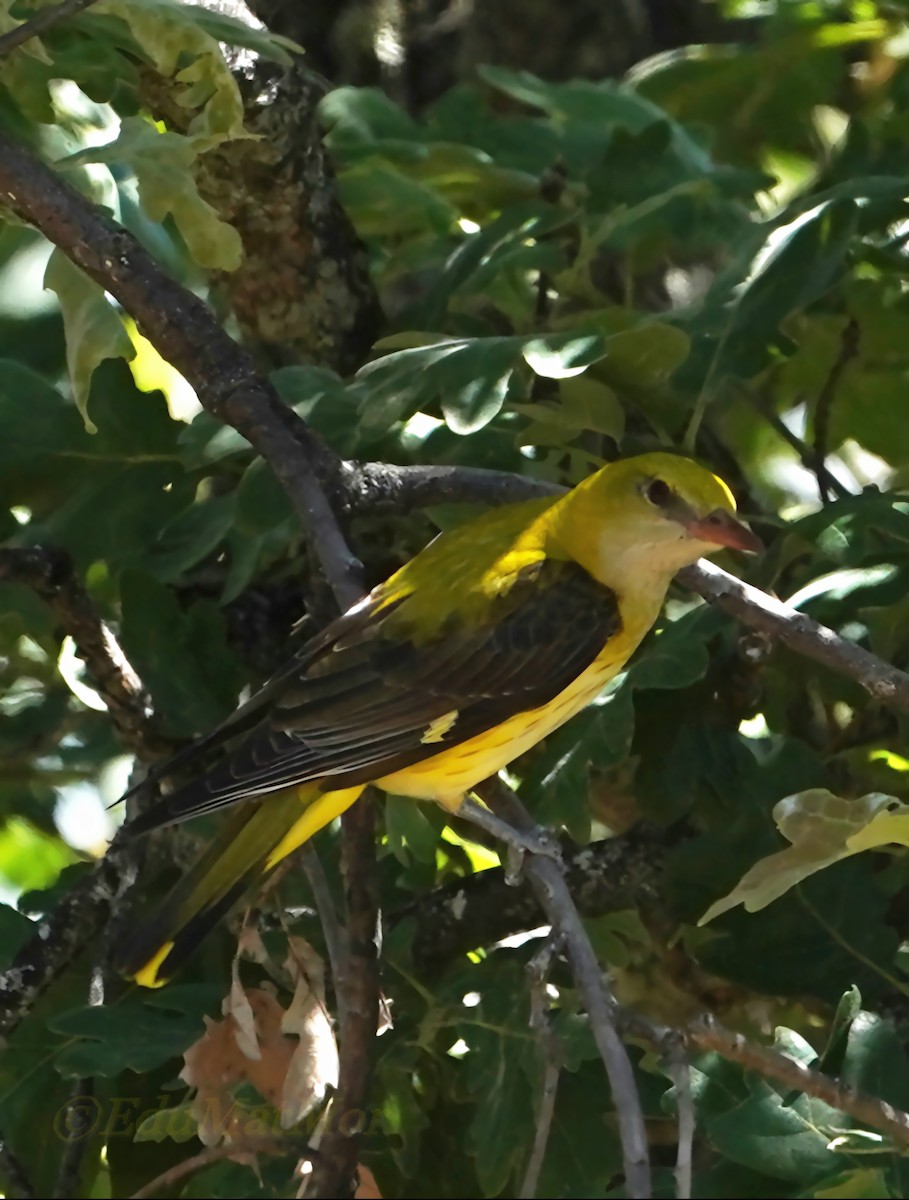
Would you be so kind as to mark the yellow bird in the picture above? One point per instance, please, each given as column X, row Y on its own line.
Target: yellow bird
column 488, row 640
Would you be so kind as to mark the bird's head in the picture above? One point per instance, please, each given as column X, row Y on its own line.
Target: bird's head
column 664, row 512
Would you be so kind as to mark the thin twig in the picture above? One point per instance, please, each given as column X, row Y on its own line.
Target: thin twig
column 40, row 23
column 807, row 457
column 49, row 571
column 214, row 1154
column 67, row 1182
column 538, row 970
column 532, row 840
column 848, row 350
column 357, row 988
column 334, row 931
column 552, row 892
column 18, row 1183
column 679, row 1071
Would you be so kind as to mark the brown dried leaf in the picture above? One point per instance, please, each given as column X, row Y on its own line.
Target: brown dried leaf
column 237, row 1005
column 367, row 1188
column 314, row 1065
column 290, row 1057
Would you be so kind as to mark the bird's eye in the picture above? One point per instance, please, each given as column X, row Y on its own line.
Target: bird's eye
column 658, row 492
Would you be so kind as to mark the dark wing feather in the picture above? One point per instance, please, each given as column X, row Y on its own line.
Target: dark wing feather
column 357, row 705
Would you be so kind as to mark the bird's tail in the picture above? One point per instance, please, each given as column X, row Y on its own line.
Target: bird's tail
column 252, row 843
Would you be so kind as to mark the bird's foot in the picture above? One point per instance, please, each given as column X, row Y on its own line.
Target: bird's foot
column 518, row 841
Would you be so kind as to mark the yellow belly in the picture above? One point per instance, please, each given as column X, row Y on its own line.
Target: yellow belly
column 447, row 776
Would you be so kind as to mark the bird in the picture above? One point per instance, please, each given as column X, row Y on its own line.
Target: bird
column 480, row 646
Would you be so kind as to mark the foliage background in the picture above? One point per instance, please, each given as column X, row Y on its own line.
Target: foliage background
column 588, row 237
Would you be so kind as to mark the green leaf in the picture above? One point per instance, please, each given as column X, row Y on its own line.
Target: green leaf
column 136, row 1034
column 798, row 263
column 29, row 858
column 15, row 931
column 469, row 377
column 592, row 405
column 173, row 36
column 94, row 330
column 409, row 832
column 849, row 1007
column 181, row 655
column 598, row 737
column 788, row 1141
column 859, row 1183
column 823, row 829
column 561, row 357
column 224, row 28
column 163, row 165
column 196, row 533
column 503, row 1113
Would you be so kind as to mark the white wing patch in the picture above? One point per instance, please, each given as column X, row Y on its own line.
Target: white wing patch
column 439, row 727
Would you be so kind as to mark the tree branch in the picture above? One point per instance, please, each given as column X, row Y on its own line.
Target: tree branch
column 609, row 876
column 887, row 684
column 74, row 1148
column 40, row 23
column 679, row 1070
column 848, row 350
column 706, row 1034
column 378, row 485
column 554, row 897
column 357, row 987
column 186, row 334
column 18, row 1182
column 241, row 1150
column 77, row 918
column 538, row 970
column 48, row 571
column 825, row 477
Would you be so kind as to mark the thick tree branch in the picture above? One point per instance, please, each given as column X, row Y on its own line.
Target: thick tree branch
column 79, row 917
column 48, row 570
column 185, row 332
column 619, row 873
column 224, row 376
column 375, row 485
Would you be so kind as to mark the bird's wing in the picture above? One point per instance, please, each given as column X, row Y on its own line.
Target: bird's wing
column 378, row 696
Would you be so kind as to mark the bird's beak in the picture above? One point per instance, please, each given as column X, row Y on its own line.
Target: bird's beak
column 722, row 528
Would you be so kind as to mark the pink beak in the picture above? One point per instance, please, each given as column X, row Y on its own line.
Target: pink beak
column 721, row 528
